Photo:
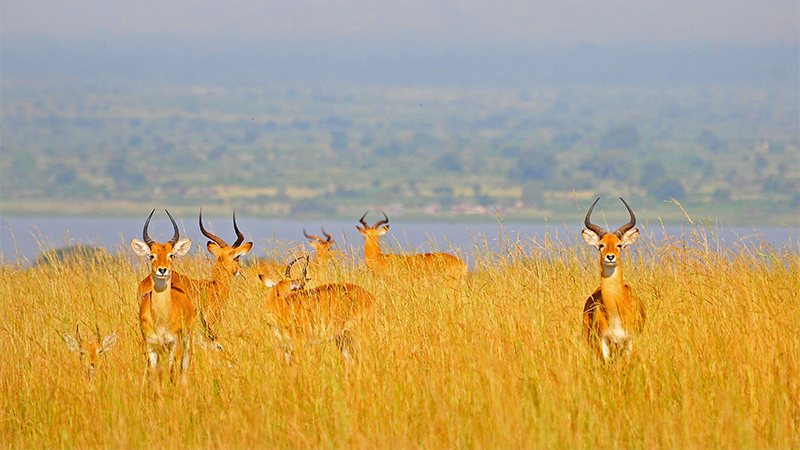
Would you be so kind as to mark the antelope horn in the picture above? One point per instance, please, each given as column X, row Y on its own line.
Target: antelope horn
column 177, row 234
column 362, row 220
column 289, row 267
column 597, row 230
column 623, row 229
column 207, row 234
column 312, row 237
column 330, row 238
column 239, row 235
column 145, row 236
column 384, row 221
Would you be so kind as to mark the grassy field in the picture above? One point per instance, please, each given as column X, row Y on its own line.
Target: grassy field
column 500, row 366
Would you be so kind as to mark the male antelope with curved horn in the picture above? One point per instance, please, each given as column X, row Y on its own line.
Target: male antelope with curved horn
column 322, row 247
column 613, row 311
column 430, row 264
column 326, row 312
column 209, row 295
column 166, row 315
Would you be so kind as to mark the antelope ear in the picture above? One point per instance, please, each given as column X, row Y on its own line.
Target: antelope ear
column 72, row 343
column 267, row 282
column 108, row 342
column 630, row 237
column 140, row 248
column 243, row 249
column 591, row 238
column 213, row 248
column 383, row 230
column 182, row 247
column 297, row 284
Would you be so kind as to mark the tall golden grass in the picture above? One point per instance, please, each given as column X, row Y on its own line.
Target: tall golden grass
column 500, row 366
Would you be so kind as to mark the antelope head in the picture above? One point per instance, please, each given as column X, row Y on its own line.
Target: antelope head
column 321, row 246
column 610, row 245
column 90, row 349
column 161, row 255
column 227, row 255
column 285, row 287
column 379, row 229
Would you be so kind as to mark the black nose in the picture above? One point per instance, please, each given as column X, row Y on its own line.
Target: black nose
column 610, row 258
column 162, row 270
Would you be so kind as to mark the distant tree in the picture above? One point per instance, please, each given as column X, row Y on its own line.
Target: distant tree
column 338, row 141
column 668, row 189
column 653, row 172
column 534, row 165
column 622, row 137
column 710, row 142
column 449, row 162
column 722, row 195
column 565, row 141
column 611, row 164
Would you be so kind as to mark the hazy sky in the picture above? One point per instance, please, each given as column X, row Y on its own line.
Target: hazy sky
column 736, row 22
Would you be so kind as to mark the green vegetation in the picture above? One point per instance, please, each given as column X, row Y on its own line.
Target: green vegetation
column 503, row 366
column 726, row 153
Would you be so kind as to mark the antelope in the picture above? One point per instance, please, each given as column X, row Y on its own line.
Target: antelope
column 444, row 263
column 322, row 247
column 324, row 265
column 209, row 295
column 326, row 312
column 613, row 312
column 89, row 349
column 166, row 314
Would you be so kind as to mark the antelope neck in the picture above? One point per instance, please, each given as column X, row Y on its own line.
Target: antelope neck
column 372, row 248
column 611, row 286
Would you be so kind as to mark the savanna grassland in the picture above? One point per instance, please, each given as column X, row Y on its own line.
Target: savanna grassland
column 502, row 365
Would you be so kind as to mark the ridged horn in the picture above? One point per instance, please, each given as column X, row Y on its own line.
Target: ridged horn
column 597, row 230
column 208, row 234
column 239, row 235
column 289, row 267
column 177, row 234
column 145, row 236
column 382, row 222
column 328, row 236
column 362, row 220
column 312, row 237
column 623, row 229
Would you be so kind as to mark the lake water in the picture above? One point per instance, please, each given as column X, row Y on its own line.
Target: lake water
column 24, row 238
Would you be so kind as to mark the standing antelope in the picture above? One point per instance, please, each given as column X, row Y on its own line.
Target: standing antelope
column 90, row 349
column 613, row 312
column 325, row 312
column 209, row 295
column 166, row 315
column 439, row 263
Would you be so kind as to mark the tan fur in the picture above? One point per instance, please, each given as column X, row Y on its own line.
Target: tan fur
column 209, row 295
column 613, row 313
column 435, row 265
column 90, row 348
column 329, row 311
column 166, row 314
